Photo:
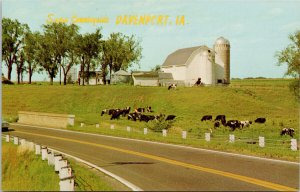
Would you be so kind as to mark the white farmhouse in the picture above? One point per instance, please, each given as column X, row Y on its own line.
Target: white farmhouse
column 211, row 65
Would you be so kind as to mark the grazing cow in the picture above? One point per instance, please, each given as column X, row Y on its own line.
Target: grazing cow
column 198, row 82
column 108, row 111
column 149, row 109
column 245, row 123
column 139, row 110
column 216, row 124
column 172, row 86
column 220, row 117
column 125, row 111
column 233, row 124
column 260, row 120
column 104, row 111
column 146, row 118
column 170, row 117
column 287, row 131
column 133, row 116
column 160, row 116
column 116, row 114
column 206, row 117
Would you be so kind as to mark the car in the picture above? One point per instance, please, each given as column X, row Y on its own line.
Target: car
column 5, row 126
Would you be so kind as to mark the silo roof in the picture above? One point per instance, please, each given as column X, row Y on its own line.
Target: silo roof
column 222, row 40
column 181, row 56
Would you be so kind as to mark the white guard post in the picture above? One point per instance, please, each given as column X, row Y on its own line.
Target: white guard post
column 183, row 134
column 207, row 136
column 231, row 138
column 261, row 141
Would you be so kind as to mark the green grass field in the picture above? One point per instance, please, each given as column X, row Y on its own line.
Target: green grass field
column 24, row 171
column 242, row 100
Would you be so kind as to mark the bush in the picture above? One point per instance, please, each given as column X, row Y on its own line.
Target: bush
column 159, row 124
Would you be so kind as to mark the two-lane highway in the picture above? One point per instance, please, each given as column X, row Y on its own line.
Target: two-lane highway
column 155, row 166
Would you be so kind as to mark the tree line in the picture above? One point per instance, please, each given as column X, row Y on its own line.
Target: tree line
column 60, row 46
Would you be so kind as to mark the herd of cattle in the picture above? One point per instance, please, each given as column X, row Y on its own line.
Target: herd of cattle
column 138, row 114
column 234, row 124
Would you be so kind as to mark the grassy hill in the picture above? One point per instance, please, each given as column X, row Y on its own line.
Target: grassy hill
column 242, row 100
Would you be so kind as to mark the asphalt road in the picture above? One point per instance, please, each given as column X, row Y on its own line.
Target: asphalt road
column 154, row 166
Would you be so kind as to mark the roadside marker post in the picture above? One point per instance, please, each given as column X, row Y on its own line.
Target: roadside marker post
column 97, row 125
column 7, row 138
column 66, row 184
column 128, row 128
column 51, row 158
column 207, row 136
column 65, row 172
column 62, row 163
column 183, row 134
column 112, row 126
column 164, row 131
column 37, row 149
column 81, row 124
column 56, row 162
column 145, row 131
column 294, row 144
column 261, row 141
column 231, row 138
column 16, row 140
column 44, row 153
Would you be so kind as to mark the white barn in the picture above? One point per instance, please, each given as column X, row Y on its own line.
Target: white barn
column 211, row 65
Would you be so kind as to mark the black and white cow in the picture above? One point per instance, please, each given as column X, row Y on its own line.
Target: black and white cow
column 126, row 111
column 149, row 109
column 116, row 114
column 146, row 118
column 206, row 118
column 221, row 118
column 233, row 124
column 133, row 116
column 172, row 86
column 139, row 110
column 260, row 120
column 217, row 124
column 170, row 117
column 108, row 111
column 246, row 123
column 287, row 131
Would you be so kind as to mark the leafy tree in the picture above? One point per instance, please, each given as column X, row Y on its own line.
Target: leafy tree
column 20, row 62
column 13, row 33
column 30, row 51
column 46, row 55
column 88, row 48
column 157, row 68
column 63, row 39
column 120, row 52
column 291, row 56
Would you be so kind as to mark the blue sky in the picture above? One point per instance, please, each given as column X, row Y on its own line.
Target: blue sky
column 255, row 29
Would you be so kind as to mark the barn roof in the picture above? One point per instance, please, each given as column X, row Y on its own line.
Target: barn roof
column 165, row 75
column 122, row 73
column 181, row 56
column 145, row 74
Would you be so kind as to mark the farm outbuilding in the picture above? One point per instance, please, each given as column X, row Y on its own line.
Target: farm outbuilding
column 145, row 78
column 212, row 65
column 120, row 76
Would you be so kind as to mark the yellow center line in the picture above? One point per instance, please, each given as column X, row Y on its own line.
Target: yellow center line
column 266, row 184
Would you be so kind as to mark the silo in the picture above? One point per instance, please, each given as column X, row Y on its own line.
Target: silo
column 222, row 59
